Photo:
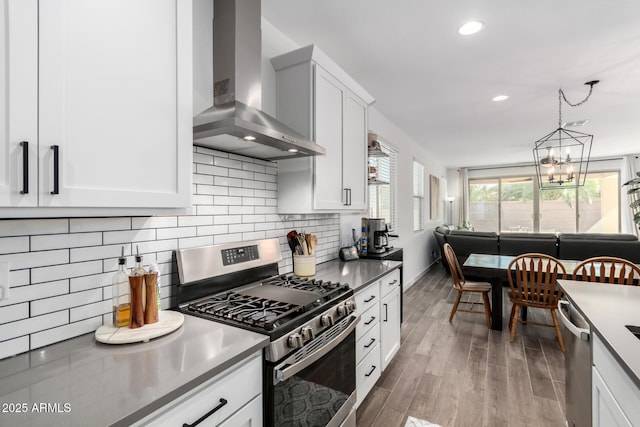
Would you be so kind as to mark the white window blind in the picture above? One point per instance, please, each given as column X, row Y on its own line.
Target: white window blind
column 382, row 186
column 418, row 196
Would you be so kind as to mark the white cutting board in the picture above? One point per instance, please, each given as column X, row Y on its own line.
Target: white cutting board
column 168, row 321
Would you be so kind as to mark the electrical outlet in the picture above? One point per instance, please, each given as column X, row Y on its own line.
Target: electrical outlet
column 4, row 280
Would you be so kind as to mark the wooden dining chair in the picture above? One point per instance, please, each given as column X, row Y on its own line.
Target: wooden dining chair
column 606, row 269
column 533, row 281
column 461, row 285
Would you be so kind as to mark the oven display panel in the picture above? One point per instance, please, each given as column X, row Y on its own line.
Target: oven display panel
column 238, row 255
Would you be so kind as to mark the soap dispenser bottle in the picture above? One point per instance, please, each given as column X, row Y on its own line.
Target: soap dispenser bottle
column 120, row 294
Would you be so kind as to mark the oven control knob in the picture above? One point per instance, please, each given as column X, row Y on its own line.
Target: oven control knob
column 295, row 341
column 351, row 306
column 343, row 310
column 326, row 320
column 307, row 333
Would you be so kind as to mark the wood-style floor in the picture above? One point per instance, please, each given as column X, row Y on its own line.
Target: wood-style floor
column 461, row 373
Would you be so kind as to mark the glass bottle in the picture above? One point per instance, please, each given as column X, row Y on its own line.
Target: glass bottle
column 138, row 270
column 121, row 297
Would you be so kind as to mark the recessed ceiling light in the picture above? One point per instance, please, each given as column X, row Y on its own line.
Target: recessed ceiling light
column 500, row 98
column 470, row 27
column 249, row 138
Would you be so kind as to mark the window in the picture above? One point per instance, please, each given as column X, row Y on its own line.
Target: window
column 382, row 186
column 418, row 196
column 515, row 204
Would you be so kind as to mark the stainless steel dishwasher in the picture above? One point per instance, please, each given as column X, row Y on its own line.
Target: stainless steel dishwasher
column 577, row 361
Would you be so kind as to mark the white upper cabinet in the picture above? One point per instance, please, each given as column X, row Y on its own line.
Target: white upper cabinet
column 114, row 104
column 320, row 101
column 19, row 103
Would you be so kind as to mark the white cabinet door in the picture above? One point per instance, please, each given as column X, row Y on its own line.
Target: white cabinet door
column 249, row 416
column 115, row 98
column 329, row 100
column 354, row 151
column 606, row 410
column 390, row 326
column 18, row 103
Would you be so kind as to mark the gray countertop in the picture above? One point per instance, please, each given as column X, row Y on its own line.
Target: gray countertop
column 608, row 308
column 118, row 384
column 357, row 274
column 88, row 383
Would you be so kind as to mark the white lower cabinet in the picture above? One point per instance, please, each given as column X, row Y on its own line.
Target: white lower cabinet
column 237, row 392
column 614, row 395
column 378, row 333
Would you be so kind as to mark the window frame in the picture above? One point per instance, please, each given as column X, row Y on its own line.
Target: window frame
column 418, row 195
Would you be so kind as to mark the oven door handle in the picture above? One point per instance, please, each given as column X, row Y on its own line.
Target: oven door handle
column 281, row 374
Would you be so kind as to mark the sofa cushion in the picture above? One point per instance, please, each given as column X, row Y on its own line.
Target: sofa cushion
column 520, row 243
column 587, row 245
column 466, row 242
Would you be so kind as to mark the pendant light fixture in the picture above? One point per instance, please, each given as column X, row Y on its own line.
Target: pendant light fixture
column 562, row 156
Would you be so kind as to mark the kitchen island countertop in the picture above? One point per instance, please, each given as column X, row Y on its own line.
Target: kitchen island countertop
column 608, row 308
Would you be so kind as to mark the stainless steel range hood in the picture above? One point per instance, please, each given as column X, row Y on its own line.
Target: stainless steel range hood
column 236, row 123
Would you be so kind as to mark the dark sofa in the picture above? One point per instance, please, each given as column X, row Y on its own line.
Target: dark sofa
column 577, row 246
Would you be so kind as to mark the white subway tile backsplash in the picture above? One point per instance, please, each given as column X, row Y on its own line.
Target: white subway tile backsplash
column 154, row 222
column 90, row 310
column 210, row 230
column 65, row 271
column 33, row 292
column 36, row 259
column 240, row 228
column 48, row 305
column 192, row 242
column 227, row 163
column 27, row 227
column 229, row 219
column 58, row 241
column 14, row 346
column 202, row 158
column 175, row 233
column 61, row 333
column 98, row 252
column 89, row 282
column 113, row 237
column 212, row 210
column 241, row 174
column 192, row 221
column 62, row 268
column 82, row 225
column 203, row 179
column 211, row 170
column 10, row 245
column 33, row 324
column 11, row 313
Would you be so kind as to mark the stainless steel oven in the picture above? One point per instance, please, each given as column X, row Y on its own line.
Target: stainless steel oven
column 309, row 364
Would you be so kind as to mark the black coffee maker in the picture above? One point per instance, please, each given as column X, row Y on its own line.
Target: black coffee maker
column 377, row 236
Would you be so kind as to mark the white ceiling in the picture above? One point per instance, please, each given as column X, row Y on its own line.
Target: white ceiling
column 437, row 85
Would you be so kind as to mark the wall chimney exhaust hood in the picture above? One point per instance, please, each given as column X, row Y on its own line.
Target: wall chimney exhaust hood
column 236, row 123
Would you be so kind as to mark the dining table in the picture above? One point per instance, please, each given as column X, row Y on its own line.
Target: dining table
column 493, row 269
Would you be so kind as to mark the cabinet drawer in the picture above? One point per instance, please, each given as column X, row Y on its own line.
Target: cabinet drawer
column 389, row 282
column 368, row 297
column 367, row 342
column 367, row 373
column 368, row 320
column 194, row 404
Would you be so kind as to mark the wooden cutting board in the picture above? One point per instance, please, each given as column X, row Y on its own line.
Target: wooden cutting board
column 168, row 322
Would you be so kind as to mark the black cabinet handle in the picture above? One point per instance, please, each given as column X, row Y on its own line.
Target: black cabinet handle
column 373, row 368
column 56, row 170
column 394, row 282
column 370, row 343
column 25, row 167
column 208, row 414
column 371, row 298
column 386, row 312
column 370, row 320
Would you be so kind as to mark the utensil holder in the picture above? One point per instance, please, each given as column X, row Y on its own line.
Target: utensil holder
column 304, row 265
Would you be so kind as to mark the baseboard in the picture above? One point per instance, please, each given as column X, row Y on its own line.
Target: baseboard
column 427, row 269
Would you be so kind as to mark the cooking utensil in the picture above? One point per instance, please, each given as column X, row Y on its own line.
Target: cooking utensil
column 292, row 240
